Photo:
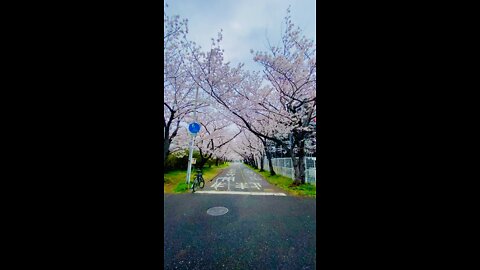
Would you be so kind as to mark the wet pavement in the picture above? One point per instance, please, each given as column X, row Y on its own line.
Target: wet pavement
column 257, row 232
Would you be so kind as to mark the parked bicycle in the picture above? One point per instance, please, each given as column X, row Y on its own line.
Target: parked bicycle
column 198, row 181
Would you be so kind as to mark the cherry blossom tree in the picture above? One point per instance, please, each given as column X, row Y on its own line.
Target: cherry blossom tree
column 277, row 105
column 264, row 125
column 179, row 89
column 244, row 149
column 291, row 70
column 280, row 111
column 175, row 84
column 214, row 137
column 216, row 134
column 256, row 146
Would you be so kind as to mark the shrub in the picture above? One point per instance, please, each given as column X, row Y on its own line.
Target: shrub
column 179, row 160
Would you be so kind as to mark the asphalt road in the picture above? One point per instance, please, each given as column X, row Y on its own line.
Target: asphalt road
column 239, row 179
column 258, row 232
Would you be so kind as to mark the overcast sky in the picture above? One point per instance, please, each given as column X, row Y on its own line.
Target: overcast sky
column 246, row 24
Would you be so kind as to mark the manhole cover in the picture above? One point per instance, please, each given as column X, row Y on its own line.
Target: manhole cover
column 217, row 211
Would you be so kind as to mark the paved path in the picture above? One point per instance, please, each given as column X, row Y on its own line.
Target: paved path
column 241, row 180
column 257, row 232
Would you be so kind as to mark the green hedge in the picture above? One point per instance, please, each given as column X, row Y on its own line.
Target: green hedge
column 175, row 163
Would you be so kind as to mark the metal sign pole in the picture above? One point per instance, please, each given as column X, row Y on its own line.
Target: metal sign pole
column 190, row 162
column 190, row 155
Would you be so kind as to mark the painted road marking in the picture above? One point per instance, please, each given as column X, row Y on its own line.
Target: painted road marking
column 239, row 193
column 255, row 185
column 219, row 182
column 217, row 185
column 240, row 185
column 214, row 185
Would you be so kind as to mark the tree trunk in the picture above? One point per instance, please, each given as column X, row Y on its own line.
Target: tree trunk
column 203, row 160
column 301, row 160
column 201, row 163
column 216, row 162
column 166, row 150
column 167, row 137
column 298, row 162
column 261, row 163
column 270, row 164
column 251, row 159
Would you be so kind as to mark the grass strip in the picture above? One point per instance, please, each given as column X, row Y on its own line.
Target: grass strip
column 174, row 181
column 306, row 190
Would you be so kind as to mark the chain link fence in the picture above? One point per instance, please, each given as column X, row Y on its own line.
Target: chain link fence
column 283, row 166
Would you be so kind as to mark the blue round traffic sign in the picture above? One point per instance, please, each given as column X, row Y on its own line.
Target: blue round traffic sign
column 194, row 127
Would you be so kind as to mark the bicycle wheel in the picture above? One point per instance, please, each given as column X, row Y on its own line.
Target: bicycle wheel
column 194, row 184
column 201, row 183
